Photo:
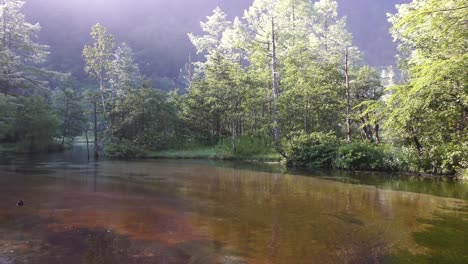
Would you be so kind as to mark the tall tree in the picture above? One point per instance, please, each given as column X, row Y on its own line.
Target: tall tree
column 430, row 110
column 69, row 111
column 99, row 58
column 265, row 26
column 124, row 74
column 366, row 97
column 19, row 53
column 348, row 97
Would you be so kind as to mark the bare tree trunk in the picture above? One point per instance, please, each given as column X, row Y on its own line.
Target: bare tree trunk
column 96, row 145
column 348, row 106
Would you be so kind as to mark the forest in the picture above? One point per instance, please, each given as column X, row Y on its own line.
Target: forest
column 284, row 82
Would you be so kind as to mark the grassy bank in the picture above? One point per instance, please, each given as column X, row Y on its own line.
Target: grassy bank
column 313, row 151
column 246, row 148
column 210, row 153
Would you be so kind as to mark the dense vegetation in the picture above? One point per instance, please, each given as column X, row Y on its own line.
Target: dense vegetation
column 157, row 30
column 282, row 82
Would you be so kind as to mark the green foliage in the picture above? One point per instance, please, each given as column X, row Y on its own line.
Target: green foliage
column 430, row 110
column 366, row 156
column 189, row 153
column 248, row 147
column 98, row 56
column 19, row 53
column 123, row 149
column 233, row 93
column 69, row 112
column 445, row 158
column 314, row 150
column 147, row 118
column 29, row 122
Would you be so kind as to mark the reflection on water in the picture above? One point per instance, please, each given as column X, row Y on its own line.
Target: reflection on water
column 221, row 212
column 445, row 237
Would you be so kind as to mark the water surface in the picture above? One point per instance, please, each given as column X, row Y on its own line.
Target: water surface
column 169, row 211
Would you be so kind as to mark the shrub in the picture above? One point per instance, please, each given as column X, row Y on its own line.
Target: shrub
column 27, row 122
column 123, row 149
column 367, row 156
column 359, row 156
column 315, row 150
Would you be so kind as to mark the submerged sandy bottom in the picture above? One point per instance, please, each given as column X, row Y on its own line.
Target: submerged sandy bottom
column 198, row 212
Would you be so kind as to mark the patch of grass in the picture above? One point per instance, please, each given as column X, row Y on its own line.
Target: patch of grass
column 247, row 148
column 214, row 152
column 196, row 153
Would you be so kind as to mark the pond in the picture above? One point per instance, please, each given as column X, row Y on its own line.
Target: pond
column 189, row 211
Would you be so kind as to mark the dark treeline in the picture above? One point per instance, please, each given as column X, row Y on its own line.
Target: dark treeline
column 283, row 82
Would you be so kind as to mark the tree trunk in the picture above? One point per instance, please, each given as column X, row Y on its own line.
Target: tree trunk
column 65, row 121
column 348, row 95
column 87, row 141
column 96, row 145
column 234, row 136
column 101, row 88
column 377, row 133
column 418, row 145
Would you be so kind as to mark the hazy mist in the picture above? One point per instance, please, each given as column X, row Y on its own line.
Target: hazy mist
column 157, row 29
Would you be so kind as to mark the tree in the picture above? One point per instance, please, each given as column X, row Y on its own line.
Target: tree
column 264, row 24
column 69, row 111
column 263, row 70
column 18, row 50
column 366, row 93
column 220, row 75
column 214, row 28
column 124, row 74
column 99, row 58
column 27, row 122
column 430, row 110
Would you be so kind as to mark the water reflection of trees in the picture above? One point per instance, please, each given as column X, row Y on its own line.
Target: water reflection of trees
column 288, row 218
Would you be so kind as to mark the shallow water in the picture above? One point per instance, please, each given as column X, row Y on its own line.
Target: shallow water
column 169, row 211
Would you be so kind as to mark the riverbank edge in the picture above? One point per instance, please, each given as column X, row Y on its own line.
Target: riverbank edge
column 12, row 148
column 211, row 154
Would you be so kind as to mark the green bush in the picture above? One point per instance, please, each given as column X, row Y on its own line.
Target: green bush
column 123, row 149
column 27, row 122
column 250, row 147
column 315, row 150
column 448, row 158
column 367, row 156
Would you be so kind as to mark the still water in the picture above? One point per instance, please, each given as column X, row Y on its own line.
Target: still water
column 170, row 211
